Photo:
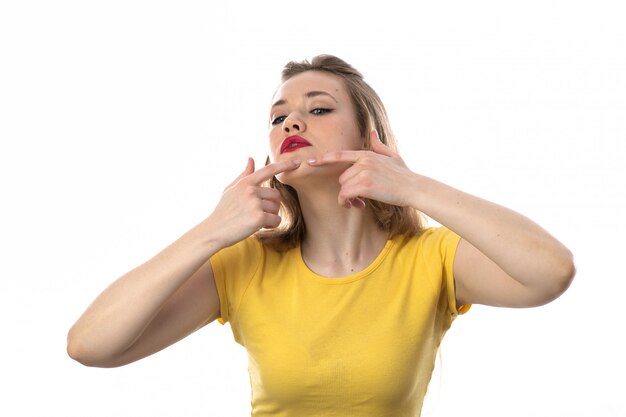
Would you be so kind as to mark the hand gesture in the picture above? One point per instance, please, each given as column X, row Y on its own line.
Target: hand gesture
column 246, row 205
column 379, row 174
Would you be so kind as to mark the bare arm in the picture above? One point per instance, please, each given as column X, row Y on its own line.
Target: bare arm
column 503, row 259
column 125, row 322
column 173, row 294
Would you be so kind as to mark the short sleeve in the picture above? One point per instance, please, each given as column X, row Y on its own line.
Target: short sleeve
column 233, row 269
column 445, row 242
column 449, row 243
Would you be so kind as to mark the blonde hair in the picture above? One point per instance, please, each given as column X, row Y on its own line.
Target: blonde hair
column 370, row 114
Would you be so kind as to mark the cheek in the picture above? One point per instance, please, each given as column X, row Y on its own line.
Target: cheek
column 273, row 147
column 351, row 139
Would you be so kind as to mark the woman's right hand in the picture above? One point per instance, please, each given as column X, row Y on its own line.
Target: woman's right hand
column 173, row 294
column 246, row 205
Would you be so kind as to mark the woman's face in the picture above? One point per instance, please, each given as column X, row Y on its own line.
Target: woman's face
column 312, row 114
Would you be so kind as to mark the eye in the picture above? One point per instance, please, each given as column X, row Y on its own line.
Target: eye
column 278, row 120
column 319, row 111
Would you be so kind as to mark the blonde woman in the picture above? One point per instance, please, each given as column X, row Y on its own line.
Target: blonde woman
column 322, row 265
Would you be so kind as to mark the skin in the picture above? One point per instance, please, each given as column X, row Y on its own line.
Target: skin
column 503, row 259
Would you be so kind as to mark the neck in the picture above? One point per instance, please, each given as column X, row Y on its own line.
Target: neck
column 338, row 241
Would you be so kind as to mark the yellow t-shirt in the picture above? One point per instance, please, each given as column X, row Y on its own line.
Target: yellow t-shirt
column 362, row 345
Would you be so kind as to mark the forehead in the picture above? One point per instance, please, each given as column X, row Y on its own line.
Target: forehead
column 302, row 83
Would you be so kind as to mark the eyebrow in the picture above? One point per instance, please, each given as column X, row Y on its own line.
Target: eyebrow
column 309, row 94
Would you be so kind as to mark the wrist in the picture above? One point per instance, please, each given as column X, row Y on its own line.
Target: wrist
column 205, row 237
column 419, row 187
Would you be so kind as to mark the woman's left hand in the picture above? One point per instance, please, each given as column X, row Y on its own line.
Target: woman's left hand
column 378, row 174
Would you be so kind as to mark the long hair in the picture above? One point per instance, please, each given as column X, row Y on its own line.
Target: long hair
column 370, row 114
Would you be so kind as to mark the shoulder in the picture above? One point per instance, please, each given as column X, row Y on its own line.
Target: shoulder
column 431, row 253
column 233, row 268
column 433, row 241
column 250, row 244
column 245, row 254
column 437, row 248
column 248, row 255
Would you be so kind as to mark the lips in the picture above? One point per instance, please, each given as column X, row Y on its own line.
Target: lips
column 292, row 143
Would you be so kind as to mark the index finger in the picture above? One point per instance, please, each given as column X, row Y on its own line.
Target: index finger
column 337, row 156
column 269, row 170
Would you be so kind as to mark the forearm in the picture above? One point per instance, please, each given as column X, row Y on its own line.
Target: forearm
column 520, row 247
column 116, row 320
column 119, row 315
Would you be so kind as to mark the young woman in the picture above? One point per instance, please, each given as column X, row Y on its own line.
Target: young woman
column 322, row 265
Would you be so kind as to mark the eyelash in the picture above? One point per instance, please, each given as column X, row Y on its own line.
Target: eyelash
column 317, row 112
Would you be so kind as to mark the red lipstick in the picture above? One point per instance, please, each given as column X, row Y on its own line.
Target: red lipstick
column 292, row 143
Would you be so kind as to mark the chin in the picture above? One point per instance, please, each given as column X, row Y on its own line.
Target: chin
column 295, row 176
column 306, row 176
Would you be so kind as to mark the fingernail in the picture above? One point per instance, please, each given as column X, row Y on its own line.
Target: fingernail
column 311, row 160
column 296, row 161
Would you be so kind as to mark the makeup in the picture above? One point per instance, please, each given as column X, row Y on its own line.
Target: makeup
column 293, row 143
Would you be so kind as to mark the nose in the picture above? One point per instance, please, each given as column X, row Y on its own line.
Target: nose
column 293, row 124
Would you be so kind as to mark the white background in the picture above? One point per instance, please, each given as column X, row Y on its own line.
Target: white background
column 122, row 121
